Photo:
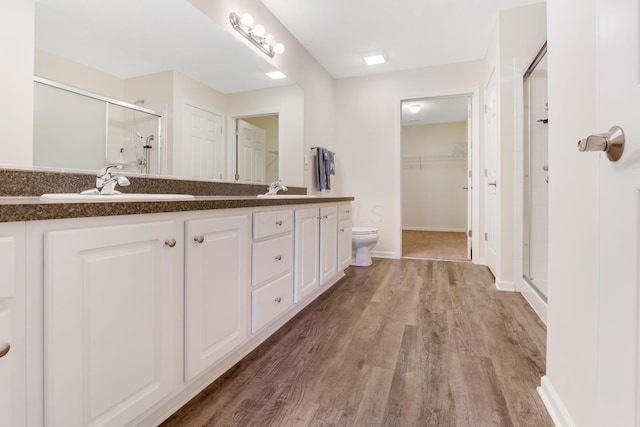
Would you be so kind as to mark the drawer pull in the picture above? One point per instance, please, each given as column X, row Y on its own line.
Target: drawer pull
column 5, row 347
column 279, row 222
column 278, row 300
column 348, row 211
column 278, row 257
column 199, row 239
column 342, row 230
column 170, row 242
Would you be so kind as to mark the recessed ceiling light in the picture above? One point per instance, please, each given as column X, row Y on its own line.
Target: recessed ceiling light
column 414, row 108
column 374, row 58
column 275, row 75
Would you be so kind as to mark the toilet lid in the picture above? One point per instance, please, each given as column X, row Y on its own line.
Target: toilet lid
column 364, row 230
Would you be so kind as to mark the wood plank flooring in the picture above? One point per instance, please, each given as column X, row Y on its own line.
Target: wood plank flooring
column 401, row 343
column 434, row 245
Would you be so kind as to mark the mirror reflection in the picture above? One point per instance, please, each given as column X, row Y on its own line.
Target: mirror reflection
column 178, row 85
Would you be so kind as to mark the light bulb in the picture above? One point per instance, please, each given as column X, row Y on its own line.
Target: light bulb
column 246, row 20
column 258, row 30
column 278, row 48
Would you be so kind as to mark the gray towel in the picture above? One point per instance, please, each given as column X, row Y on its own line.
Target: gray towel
column 324, row 168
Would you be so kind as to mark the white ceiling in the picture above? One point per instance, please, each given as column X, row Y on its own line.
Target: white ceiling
column 413, row 33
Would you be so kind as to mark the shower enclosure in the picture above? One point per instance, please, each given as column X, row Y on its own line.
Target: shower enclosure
column 536, row 175
column 79, row 130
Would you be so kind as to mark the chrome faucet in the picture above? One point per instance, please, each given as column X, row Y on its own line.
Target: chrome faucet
column 106, row 181
column 276, row 186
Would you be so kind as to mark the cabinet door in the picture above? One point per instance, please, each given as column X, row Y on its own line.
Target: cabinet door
column 344, row 244
column 216, row 290
column 328, row 244
column 307, row 253
column 12, row 325
column 108, row 321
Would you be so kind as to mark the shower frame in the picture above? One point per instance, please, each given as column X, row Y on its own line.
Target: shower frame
column 528, row 121
column 111, row 101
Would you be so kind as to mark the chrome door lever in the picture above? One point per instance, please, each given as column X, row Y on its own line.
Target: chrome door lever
column 611, row 142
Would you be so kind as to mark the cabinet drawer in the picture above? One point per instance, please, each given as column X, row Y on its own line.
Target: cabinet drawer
column 272, row 258
column 270, row 223
column 345, row 212
column 270, row 301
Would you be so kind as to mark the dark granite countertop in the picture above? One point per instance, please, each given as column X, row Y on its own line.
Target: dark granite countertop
column 33, row 208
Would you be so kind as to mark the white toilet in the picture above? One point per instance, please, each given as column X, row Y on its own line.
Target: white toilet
column 363, row 240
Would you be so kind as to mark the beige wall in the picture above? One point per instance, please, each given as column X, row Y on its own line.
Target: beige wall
column 367, row 111
column 433, row 197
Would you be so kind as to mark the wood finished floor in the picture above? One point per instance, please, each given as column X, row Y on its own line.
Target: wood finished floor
column 434, row 245
column 401, row 343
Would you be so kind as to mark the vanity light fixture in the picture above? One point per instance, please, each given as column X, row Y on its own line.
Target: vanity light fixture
column 255, row 34
column 414, row 108
column 275, row 75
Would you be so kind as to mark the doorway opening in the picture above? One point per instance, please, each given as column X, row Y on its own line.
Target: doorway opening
column 536, row 176
column 436, row 141
column 254, row 148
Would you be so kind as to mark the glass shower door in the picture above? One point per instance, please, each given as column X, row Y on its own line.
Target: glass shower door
column 536, row 176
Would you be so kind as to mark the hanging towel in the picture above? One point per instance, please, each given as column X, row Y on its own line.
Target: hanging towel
column 325, row 167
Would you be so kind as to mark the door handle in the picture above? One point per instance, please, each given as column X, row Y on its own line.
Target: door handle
column 611, row 142
column 4, row 348
column 493, row 183
column 465, row 188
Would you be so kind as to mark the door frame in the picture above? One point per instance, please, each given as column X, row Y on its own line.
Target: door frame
column 474, row 151
column 232, row 119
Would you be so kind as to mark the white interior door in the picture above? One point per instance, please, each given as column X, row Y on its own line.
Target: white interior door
column 619, row 234
column 252, row 148
column 491, row 173
column 203, row 144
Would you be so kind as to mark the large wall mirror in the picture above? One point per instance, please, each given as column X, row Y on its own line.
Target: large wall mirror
column 160, row 88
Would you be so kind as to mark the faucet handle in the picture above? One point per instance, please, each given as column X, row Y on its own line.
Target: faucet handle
column 105, row 172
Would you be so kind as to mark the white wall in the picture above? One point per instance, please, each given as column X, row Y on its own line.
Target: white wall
column 573, row 218
column 16, row 85
column 519, row 35
column 367, row 111
column 433, row 197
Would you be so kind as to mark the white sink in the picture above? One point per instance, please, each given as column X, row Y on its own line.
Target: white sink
column 285, row 196
column 126, row 197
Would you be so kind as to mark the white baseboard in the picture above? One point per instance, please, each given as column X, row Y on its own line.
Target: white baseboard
column 383, row 254
column 557, row 411
column 481, row 261
column 505, row 286
column 456, row 230
column 534, row 299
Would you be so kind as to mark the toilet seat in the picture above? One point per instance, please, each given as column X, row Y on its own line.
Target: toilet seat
column 363, row 231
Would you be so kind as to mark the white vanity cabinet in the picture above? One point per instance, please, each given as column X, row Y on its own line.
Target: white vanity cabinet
column 307, row 252
column 328, row 244
column 344, row 236
column 216, row 286
column 12, row 335
column 108, row 320
column 272, row 266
